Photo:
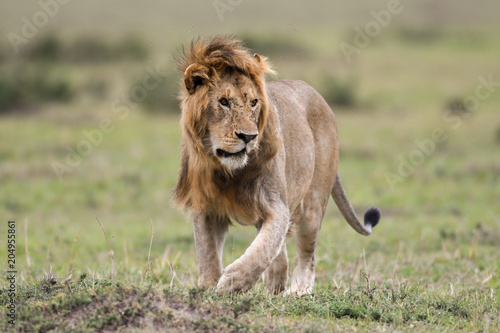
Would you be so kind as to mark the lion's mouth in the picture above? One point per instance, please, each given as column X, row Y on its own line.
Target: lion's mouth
column 225, row 154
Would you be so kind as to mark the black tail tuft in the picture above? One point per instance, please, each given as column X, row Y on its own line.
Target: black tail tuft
column 372, row 216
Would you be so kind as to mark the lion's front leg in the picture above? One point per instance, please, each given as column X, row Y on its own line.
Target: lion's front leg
column 209, row 235
column 242, row 274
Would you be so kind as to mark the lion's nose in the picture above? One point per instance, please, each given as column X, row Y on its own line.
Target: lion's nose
column 246, row 137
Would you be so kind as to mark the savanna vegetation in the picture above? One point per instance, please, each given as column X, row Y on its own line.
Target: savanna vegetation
column 89, row 146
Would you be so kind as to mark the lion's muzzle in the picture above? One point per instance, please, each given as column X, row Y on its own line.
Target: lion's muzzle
column 246, row 137
column 223, row 153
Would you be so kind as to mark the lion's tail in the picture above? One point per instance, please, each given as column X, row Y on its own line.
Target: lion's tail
column 372, row 215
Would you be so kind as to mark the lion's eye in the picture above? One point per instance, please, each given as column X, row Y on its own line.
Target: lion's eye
column 224, row 101
column 253, row 103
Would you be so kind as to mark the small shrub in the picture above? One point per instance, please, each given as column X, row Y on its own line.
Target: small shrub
column 10, row 93
column 49, row 86
column 457, row 106
column 25, row 86
column 92, row 49
column 47, row 48
column 337, row 92
column 85, row 49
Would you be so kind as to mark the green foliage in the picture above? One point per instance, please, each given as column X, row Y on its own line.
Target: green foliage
column 47, row 48
column 338, row 92
column 94, row 48
column 25, row 86
column 91, row 48
column 38, row 77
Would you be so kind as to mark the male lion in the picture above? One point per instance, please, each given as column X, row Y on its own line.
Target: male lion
column 262, row 154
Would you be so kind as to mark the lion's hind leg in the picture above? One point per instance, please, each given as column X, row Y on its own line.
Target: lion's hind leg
column 276, row 275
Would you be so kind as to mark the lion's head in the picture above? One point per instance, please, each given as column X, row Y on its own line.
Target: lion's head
column 224, row 100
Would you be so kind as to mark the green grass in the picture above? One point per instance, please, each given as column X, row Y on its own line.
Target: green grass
column 431, row 265
column 87, row 304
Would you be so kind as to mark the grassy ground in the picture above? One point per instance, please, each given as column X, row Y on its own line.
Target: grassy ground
column 431, row 265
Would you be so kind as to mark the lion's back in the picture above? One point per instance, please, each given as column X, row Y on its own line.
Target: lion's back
column 308, row 129
column 295, row 100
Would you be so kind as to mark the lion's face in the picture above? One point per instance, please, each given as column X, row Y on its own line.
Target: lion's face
column 224, row 103
column 232, row 119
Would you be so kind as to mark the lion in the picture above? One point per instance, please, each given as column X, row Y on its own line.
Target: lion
column 262, row 154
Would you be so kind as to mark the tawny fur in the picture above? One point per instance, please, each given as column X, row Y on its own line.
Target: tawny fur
column 261, row 154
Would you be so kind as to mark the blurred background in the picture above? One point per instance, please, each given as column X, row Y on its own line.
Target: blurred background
column 89, row 127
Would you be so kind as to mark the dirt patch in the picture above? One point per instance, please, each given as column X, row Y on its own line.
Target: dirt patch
column 110, row 307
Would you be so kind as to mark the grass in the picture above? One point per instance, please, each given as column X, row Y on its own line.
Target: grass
column 102, row 248
column 87, row 304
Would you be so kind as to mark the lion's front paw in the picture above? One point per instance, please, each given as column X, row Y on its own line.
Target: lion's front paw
column 234, row 279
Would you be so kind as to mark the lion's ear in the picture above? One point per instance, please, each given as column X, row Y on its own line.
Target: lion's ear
column 195, row 76
column 264, row 64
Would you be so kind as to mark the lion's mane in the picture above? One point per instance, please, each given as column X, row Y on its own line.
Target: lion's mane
column 203, row 184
